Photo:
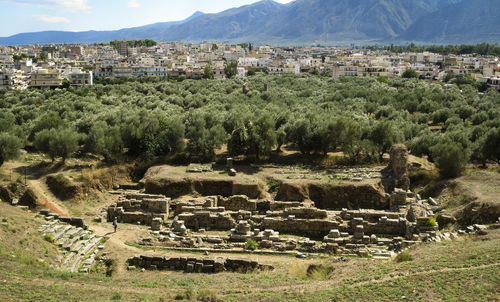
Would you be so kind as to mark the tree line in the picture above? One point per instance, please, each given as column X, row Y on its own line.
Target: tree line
column 484, row 49
column 450, row 124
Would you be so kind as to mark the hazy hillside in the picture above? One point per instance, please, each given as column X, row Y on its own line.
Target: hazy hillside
column 314, row 21
column 244, row 23
column 470, row 21
column 143, row 32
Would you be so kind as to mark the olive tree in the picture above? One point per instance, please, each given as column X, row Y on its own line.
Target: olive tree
column 9, row 147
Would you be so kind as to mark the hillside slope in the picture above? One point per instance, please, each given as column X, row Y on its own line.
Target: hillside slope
column 470, row 21
column 313, row 21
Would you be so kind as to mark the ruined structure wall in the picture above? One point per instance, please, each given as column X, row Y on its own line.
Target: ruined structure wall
column 335, row 196
column 206, row 187
column 313, row 228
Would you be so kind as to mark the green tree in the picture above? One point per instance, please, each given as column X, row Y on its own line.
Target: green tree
column 48, row 121
column 300, row 134
column 409, row 74
column 208, row 72
column 104, row 140
column 280, row 138
column 237, row 143
column 261, row 136
column 204, row 135
column 9, row 147
column 42, row 57
column 231, row 69
column 171, row 136
column 450, row 158
column 57, row 142
column 350, row 137
column 491, row 145
column 383, row 136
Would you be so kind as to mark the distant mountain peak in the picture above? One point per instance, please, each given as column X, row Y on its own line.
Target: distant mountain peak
column 194, row 15
column 313, row 21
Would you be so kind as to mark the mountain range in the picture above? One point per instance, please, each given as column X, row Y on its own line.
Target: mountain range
column 313, row 22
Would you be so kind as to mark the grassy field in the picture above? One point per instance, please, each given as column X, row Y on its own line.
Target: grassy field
column 463, row 270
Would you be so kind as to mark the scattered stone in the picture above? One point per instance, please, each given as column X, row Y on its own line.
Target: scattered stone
column 432, row 201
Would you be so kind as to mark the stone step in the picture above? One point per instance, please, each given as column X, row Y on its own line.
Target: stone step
column 79, row 246
column 53, row 229
column 90, row 245
column 68, row 237
column 383, row 254
column 68, row 259
column 62, row 232
column 89, row 261
column 44, row 227
column 76, row 262
column 82, row 235
column 74, row 232
column 381, row 258
column 67, row 246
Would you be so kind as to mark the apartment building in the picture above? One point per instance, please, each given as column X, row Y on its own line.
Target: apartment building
column 46, row 79
column 80, row 78
column 6, row 79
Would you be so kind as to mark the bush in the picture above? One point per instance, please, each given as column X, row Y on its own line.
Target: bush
column 319, row 271
column 450, row 158
column 206, row 295
column 250, row 245
column 404, row 256
column 116, row 296
column 274, row 186
column 49, row 238
column 410, row 73
column 432, row 222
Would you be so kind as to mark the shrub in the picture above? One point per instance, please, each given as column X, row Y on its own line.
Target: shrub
column 116, row 296
column 274, row 186
column 319, row 271
column 49, row 238
column 432, row 222
column 206, row 295
column 450, row 158
column 404, row 256
column 250, row 245
column 410, row 73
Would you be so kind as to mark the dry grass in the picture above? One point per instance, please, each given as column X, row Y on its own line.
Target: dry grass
column 460, row 270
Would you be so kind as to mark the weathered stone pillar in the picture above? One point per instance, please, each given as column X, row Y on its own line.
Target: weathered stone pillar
column 396, row 174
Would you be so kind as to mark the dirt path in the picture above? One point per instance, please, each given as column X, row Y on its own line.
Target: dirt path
column 39, row 187
column 115, row 246
column 309, row 287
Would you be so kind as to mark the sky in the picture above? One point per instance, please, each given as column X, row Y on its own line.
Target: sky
column 18, row 16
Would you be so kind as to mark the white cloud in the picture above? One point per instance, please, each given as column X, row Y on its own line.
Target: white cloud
column 52, row 19
column 71, row 5
column 283, row 1
column 133, row 4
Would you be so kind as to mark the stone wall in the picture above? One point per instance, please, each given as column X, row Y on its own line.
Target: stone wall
column 313, row 228
column 237, row 202
column 178, row 187
column 207, row 220
column 306, row 213
column 335, row 196
column 74, row 221
column 139, row 208
column 196, row 265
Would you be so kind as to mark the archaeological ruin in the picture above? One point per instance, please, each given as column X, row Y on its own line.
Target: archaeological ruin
column 369, row 212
